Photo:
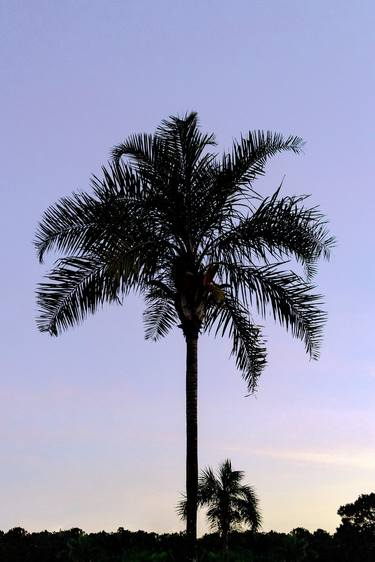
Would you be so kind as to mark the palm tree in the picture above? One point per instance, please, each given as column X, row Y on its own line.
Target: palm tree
column 231, row 504
column 185, row 229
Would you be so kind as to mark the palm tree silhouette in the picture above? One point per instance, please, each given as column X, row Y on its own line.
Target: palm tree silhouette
column 231, row 504
column 184, row 228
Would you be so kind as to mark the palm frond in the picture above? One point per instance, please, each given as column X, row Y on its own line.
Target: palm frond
column 119, row 181
column 140, row 148
column 67, row 225
column 249, row 155
column 74, row 224
column 247, row 506
column 181, row 508
column 156, row 164
column 290, row 299
column 183, row 137
column 207, row 486
column 229, row 478
column 230, row 180
column 75, row 288
column 279, row 227
column 159, row 316
column 248, row 347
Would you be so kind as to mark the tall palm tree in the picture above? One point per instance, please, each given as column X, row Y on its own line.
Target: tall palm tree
column 231, row 504
column 184, row 228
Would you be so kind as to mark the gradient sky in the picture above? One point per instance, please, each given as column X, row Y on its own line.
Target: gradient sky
column 92, row 423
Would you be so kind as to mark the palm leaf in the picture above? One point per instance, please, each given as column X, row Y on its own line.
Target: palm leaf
column 279, row 227
column 74, row 224
column 248, row 347
column 247, row 506
column 159, row 317
column 249, row 155
column 76, row 287
column 289, row 298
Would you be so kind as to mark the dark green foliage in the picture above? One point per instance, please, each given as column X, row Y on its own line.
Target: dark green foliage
column 125, row 546
column 356, row 534
column 360, row 515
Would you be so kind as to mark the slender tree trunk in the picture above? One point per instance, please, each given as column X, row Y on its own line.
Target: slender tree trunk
column 191, row 443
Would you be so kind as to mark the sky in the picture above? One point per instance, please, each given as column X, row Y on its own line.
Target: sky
column 92, row 423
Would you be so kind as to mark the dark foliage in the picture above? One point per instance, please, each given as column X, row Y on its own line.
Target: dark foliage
column 183, row 227
column 231, row 504
column 125, row 546
column 356, row 534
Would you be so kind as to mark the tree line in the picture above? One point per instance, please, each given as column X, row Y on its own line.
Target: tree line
column 353, row 541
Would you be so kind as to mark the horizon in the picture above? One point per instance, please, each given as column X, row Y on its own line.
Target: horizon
column 92, row 422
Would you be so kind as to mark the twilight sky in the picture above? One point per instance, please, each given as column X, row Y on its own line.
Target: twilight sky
column 92, row 423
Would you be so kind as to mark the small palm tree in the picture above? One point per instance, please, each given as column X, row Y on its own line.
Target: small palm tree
column 184, row 228
column 231, row 505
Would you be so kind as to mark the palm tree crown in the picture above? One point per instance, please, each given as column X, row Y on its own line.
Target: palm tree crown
column 185, row 229
column 231, row 505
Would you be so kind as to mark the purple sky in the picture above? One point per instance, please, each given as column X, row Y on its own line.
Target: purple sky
column 92, row 423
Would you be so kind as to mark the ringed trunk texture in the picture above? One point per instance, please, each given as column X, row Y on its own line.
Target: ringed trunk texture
column 191, row 443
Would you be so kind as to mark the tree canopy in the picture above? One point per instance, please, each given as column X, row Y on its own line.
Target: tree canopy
column 184, row 227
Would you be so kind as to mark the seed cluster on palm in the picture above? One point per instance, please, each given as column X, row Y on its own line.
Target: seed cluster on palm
column 183, row 227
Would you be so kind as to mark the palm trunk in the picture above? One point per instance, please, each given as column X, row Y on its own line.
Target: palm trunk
column 191, row 443
column 225, row 546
